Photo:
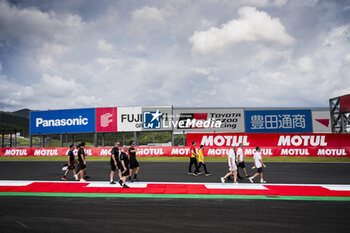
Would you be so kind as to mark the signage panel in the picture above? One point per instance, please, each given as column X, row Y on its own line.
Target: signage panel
column 306, row 144
column 106, row 120
column 63, row 121
column 278, row 121
column 232, row 120
column 321, row 122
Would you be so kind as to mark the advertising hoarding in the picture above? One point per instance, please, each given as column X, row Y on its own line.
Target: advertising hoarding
column 278, row 121
column 106, row 120
column 321, row 122
column 157, row 118
column 129, row 119
column 153, row 118
column 232, row 119
column 344, row 103
column 333, row 145
column 63, row 121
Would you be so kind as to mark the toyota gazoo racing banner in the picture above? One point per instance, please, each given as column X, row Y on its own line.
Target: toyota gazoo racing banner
column 333, row 145
column 63, row 121
column 278, row 121
column 209, row 120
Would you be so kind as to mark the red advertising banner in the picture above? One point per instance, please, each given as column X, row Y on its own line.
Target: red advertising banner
column 92, row 151
column 106, row 120
column 311, row 145
column 332, row 145
column 345, row 103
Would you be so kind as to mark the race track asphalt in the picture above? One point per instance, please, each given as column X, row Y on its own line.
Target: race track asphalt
column 68, row 214
column 288, row 173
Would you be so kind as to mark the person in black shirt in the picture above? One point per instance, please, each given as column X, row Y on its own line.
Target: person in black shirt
column 115, row 163
column 82, row 161
column 71, row 162
column 124, row 160
column 133, row 162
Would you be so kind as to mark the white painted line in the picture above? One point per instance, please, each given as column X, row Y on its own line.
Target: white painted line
column 236, row 186
column 337, row 187
column 108, row 185
column 15, row 183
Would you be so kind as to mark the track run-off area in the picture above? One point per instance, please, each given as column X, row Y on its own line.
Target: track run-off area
column 298, row 197
column 286, row 181
column 176, row 190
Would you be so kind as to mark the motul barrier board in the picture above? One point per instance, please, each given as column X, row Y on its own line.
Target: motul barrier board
column 277, row 144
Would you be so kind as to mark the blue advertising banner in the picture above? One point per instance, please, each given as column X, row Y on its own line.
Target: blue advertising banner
column 278, row 121
column 63, row 121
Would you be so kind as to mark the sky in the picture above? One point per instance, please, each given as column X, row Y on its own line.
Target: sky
column 211, row 53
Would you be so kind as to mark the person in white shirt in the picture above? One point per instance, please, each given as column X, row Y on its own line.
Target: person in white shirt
column 232, row 166
column 240, row 161
column 259, row 164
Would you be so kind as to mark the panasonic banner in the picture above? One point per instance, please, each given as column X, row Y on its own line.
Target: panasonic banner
column 63, row 121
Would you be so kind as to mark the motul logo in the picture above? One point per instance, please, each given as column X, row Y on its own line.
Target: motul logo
column 16, row 152
column 302, row 140
column 224, row 140
column 46, row 152
column 151, row 151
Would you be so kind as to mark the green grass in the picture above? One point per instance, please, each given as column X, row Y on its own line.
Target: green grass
column 249, row 159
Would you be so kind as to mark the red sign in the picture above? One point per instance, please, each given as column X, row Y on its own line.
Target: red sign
column 337, row 145
column 93, row 151
column 345, row 103
column 310, row 145
column 106, row 119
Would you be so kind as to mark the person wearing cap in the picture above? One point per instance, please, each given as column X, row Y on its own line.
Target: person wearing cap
column 232, row 166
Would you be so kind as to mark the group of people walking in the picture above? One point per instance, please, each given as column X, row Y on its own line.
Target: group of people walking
column 126, row 164
column 81, row 174
column 119, row 161
column 235, row 161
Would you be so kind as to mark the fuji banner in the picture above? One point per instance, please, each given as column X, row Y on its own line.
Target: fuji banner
column 106, row 120
column 321, row 122
column 129, row 119
column 333, row 145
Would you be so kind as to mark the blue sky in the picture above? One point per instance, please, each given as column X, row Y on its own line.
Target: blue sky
column 252, row 53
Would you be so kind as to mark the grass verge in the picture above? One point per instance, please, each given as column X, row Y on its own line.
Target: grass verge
column 209, row 159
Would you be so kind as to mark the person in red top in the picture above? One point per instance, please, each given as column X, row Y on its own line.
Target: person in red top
column 193, row 160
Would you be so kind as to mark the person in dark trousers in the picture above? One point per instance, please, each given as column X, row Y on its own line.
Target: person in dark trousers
column 258, row 164
column 240, row 160
column 201, row 160
column 78, row 170
column 82, row 161
column 115, row 163
column 124, row 160
column 71, row 162
column 134, row 164
column 193, row 160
